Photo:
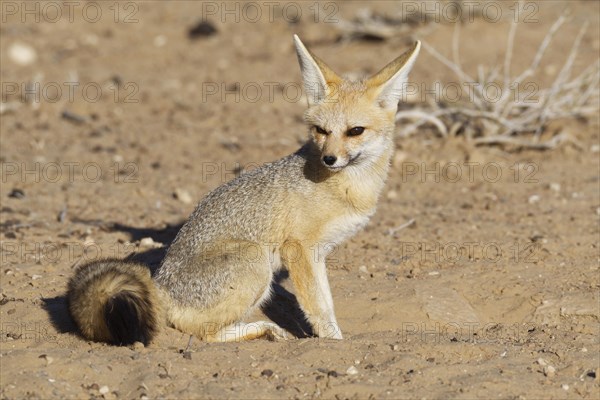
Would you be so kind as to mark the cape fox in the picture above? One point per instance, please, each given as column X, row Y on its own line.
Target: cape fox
column 221, row 264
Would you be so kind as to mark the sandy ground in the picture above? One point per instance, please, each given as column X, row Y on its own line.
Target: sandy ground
column 492, row 292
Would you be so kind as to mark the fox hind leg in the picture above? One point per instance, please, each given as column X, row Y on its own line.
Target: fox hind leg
column 241, row 273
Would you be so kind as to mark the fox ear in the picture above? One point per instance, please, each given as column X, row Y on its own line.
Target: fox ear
column 389, row 83
column 317, row 77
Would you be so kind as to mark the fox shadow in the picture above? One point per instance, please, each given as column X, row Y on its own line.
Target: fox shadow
column 282, row 308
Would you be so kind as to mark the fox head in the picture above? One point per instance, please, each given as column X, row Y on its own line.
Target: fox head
column 352, row 121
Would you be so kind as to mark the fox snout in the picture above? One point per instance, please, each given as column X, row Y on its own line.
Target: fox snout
column 335, row 153
column 333, row 157
column 329, row 160
column 334, row 162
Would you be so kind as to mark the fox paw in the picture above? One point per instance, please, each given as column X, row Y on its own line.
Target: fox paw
column 328, row 330
column 274, row 332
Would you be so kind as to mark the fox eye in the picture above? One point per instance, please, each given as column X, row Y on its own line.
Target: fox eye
column 321, row 130
column 357, row 130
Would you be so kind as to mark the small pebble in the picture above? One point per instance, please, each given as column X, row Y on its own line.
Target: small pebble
column 104, row 390
column 352, row 370
column 554, row 187
column 49, row 360
column 91, row 40
column 549, row 371
column 266, row 372
column 72, row 117
column 16, row 194
column 160, row 41
column 564, row 386
column 363, row 269
column 534, row 199
column 149, row 242
column 392, row 195
column 138, row 346
column 8, row 107
column 592, row 374
column 22, row 54
column 542, row 362
column 202, row 29
column 62, row 215
column 183, row 196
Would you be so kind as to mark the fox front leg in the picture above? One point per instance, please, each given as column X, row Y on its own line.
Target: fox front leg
column 309, row 277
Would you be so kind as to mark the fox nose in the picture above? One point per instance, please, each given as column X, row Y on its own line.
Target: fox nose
column 329, row 160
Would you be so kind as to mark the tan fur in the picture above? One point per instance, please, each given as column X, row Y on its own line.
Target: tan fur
column 288, row 213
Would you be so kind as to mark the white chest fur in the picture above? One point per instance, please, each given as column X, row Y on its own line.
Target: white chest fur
column 341, row 228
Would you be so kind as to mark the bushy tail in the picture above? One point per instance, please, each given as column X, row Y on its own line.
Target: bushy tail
column 114, row 301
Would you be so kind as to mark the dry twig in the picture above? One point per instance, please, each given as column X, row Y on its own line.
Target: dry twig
column 499, row 121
